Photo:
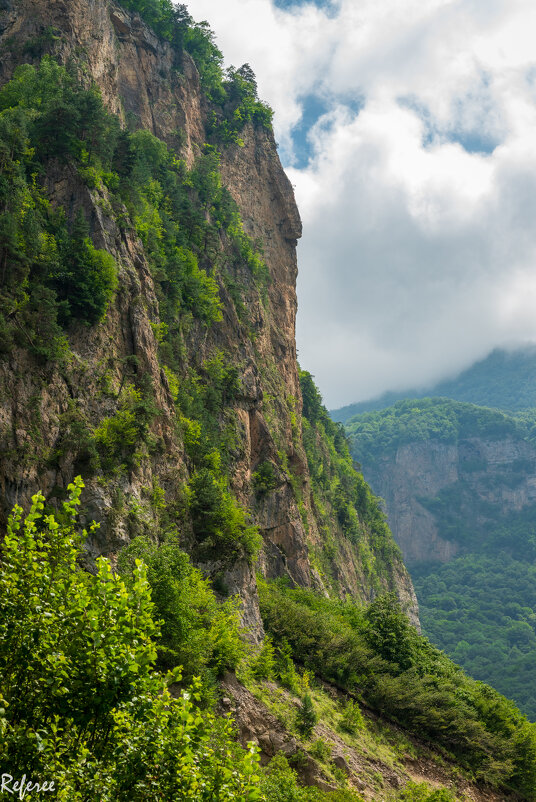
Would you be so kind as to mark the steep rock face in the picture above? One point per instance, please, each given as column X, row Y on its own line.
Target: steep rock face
column 151, row 86
column 131, row 66
column 484, row 481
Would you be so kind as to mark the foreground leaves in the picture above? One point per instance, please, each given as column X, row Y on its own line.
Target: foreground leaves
column 82, row 704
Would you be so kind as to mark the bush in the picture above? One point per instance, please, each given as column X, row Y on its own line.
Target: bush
column 263, row 664
column 421, row 792
column 306, row 717
column 279, row 782
column 118, row 435
column 265, row 478
column 352, row 718
column 197, row 633
column 81, row 703
column 219, row 524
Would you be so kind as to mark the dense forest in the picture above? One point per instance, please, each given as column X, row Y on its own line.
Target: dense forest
column 503, row 380
column 374, row 434
column 479, row 607
column 482, row 611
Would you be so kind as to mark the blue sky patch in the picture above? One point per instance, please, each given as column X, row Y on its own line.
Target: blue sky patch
column 471, row 140
column 313, row 108
column 330, row 6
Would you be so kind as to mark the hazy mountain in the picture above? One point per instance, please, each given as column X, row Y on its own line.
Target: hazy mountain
column 504, row 380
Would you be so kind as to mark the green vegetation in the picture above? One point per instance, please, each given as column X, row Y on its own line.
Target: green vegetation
column 265, row 478
column 377, row 655
column 197, row 633
column 232, row 92
column 482, row 611
column 352, row 718
column 92, row 707
column 81, row 701
column 306, row 717
column 474, row 606
column 504, row 380
column 341, row 490
column 375, row 434
column 280, row 784
column 56, row 276
column 219, row 524
column 420, row 792
column 118, row 438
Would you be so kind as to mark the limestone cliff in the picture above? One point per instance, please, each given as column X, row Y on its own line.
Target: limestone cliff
column 452, row 475
column 50, row 410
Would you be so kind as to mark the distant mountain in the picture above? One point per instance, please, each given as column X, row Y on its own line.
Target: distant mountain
column 459, row 483
column 503, row 380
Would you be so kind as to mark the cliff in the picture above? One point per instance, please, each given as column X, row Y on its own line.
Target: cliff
column 454, row 476
column 459, row 483
column 157, row 368
column 147, row 314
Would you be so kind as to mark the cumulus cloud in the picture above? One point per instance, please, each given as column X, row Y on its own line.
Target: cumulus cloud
column 419, row 196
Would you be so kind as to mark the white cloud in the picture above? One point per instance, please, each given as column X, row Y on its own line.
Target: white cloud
column 419, row 252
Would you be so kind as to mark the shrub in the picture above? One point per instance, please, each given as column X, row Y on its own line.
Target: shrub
column 81, row 704
column 320, row 750
column 421, row 792
column 118, row 435
column 197, row 632
column 263, row 664
column 306, row 717
column 219, row 524
column 279, row 782
column 352, row 718
column 265, row 478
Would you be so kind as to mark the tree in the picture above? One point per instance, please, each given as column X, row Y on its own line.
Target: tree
column 219, row 523
column 87, row 278
column 306, row 716
column 389, row 632
column 80, row 702
column 198, row 633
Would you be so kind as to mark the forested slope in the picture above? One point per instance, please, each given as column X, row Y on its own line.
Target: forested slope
column 147, row 254
column 503, row 380
column 459, row 483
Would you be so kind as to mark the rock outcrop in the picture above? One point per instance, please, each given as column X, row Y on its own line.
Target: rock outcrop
column 442, row 497
column 150, row 85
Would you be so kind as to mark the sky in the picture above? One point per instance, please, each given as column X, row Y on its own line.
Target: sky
column 408, row 130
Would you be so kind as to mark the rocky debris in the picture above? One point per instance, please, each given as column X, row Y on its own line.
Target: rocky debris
column 256, row 724
column 362, row 769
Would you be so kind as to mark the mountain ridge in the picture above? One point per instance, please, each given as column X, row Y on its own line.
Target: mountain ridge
column 502, row 380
